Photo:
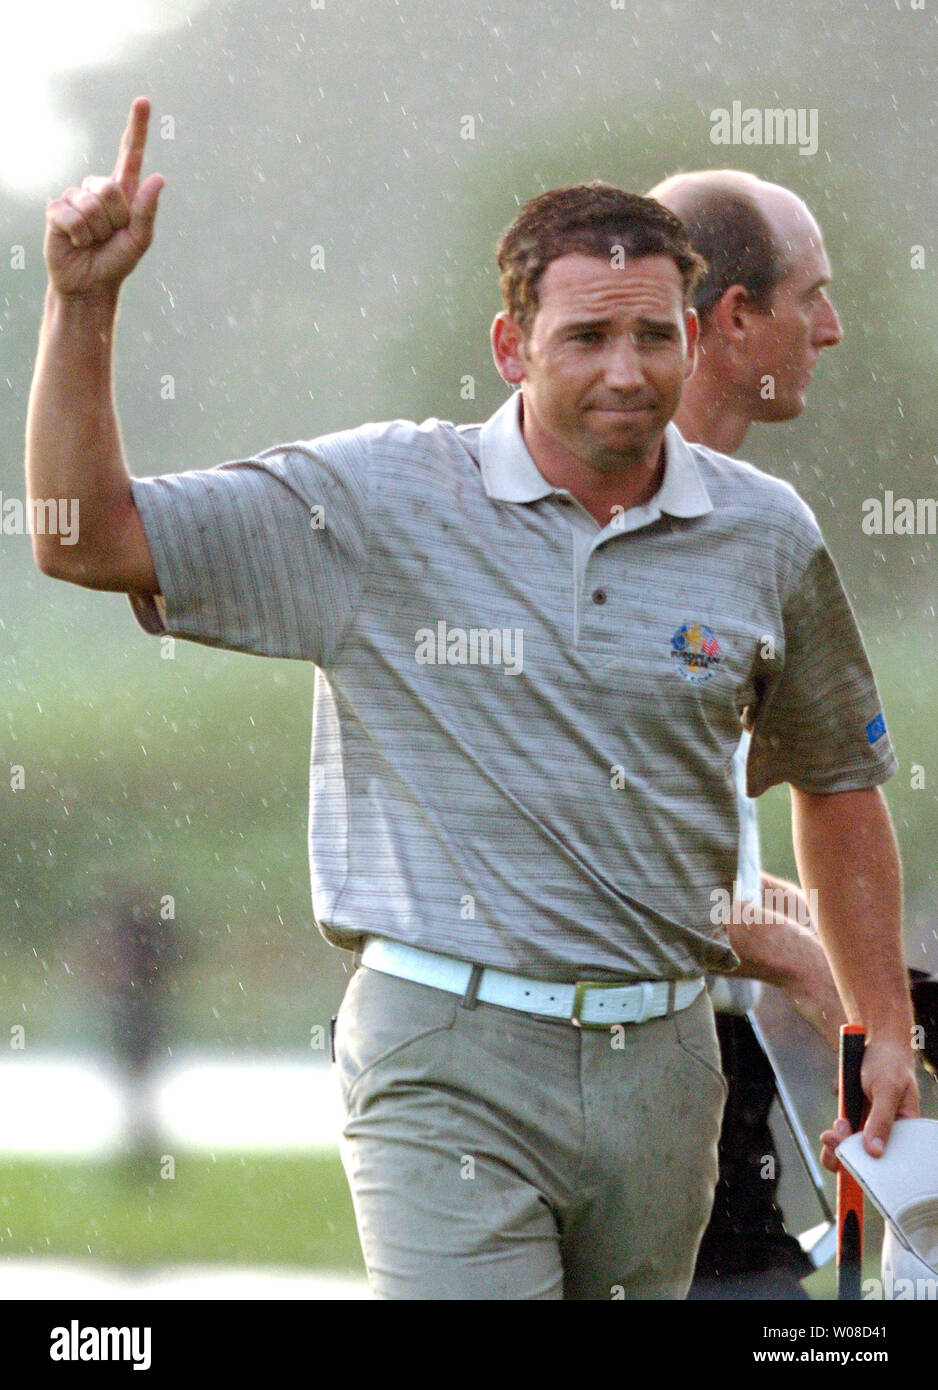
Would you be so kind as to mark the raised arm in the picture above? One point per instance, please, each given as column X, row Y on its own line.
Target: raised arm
column 95, row 235
column 846, row 850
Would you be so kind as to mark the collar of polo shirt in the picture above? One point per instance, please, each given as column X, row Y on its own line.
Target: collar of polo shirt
column 509, row 473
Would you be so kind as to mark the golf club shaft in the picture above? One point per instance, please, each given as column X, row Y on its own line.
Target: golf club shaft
column 849, row 1191
column 791, row 1119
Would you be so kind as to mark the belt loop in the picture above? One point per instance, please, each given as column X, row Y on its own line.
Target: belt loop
column 469, row 999
column 672, row 997
column 644, row 1008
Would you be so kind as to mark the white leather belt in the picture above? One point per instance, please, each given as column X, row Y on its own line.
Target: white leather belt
column 586, row 1004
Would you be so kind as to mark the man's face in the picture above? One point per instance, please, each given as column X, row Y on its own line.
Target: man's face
column 606, row 357
column 787, row 341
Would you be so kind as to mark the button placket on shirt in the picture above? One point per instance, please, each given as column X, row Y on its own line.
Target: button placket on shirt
column 589, row 594
column 599, row 613
column 596, row 601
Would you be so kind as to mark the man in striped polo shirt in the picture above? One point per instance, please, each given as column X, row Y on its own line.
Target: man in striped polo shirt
column 535, row 641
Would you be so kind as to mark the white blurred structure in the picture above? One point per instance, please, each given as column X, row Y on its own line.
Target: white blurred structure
column 40, row 1278
column 58, row 1106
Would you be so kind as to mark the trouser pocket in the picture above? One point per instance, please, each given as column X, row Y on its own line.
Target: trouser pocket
column 697, row 1036
column 380, row 1017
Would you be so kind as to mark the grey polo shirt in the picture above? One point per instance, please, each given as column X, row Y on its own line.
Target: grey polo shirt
column 524, row 723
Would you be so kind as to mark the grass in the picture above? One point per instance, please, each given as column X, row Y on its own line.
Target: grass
column 261, row 1209
column 257, row 1210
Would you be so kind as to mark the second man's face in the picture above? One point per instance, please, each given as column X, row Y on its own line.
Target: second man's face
column 789, row 339
column 606, row 357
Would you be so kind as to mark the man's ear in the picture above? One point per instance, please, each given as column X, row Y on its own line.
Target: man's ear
column 732, row 314
column 508, row 348
column 692, row 336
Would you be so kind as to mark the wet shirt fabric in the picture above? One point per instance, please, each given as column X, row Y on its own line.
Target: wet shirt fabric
column 523, row 743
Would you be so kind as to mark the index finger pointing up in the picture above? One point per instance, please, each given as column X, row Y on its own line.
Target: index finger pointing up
column 130, row 155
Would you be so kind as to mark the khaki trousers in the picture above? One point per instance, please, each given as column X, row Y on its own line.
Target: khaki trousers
column 492, row 1154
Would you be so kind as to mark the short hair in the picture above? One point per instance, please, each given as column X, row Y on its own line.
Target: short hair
column 729, row 229
column 592, row 218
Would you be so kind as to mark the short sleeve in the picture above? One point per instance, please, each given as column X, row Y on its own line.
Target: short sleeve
column 265, row 555
column 818, row 721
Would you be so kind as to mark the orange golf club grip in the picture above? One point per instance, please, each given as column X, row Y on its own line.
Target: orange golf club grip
column 849, row 1192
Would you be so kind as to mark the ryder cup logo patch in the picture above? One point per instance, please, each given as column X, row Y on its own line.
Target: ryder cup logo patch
column 695, row 652
column 876, row 728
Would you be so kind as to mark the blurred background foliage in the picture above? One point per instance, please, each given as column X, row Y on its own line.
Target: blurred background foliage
column 341, row 127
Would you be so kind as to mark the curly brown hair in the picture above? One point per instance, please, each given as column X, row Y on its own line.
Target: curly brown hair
column 596, row 219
